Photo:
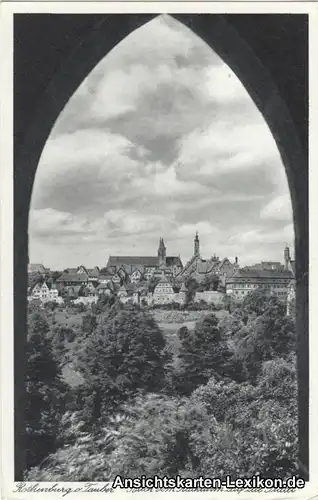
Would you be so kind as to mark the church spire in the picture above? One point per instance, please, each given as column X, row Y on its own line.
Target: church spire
column 196, row 245
column 161, row 252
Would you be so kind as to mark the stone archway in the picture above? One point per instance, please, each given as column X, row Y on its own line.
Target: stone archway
column 222, row 37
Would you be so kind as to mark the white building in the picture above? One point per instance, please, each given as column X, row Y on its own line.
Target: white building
column 45, row 292
column 164, row 292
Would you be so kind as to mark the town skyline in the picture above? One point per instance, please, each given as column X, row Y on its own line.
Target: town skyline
column 160, row 140
column 184, row 261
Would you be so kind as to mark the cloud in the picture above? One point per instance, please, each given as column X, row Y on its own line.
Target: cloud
column 204, row 227
column 279, row 208
column 259, row 237
column 226, row 147
column 51, row 223
column 160, row 139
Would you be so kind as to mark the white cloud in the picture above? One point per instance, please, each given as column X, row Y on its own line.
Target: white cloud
column 48, row 222
column 278, row 208
column 224, row 147
column 204, row 228
column 82, row 149
column 161, row 139
column 164, row 182
column 259, row 237
column 222, row 85
column 129, row 222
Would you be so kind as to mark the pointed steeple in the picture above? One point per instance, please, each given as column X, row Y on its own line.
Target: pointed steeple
column 196, row 245
column 161, row 253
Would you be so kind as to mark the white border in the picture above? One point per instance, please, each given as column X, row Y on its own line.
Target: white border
column 7, row 10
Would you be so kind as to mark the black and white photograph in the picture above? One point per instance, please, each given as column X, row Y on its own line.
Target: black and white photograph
column 161, row 248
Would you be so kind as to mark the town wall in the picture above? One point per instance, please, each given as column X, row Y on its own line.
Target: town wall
column 210, row 297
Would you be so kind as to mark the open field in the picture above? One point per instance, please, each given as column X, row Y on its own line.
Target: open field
column 68, row 318
column 171, row 321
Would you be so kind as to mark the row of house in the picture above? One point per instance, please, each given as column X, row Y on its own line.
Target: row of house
column 129, row 278
column 144, row 268
column 136, row 269
column 165, row 292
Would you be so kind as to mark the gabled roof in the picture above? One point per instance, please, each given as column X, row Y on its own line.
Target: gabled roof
column 51, row 286
column 256, row 274
column 37, row 268
column 36, row 285
column 202, row 266
column 118, row 261
column 173, row 261
column 183, row 287
column 85, row 288
column 75, row 277
column 131, row 287
column 267, row 265
column 212, row 266
column 73, row 288
column 137, row 268
column 105, row 276
column 103, row 286
column 143, row 261
column 71, row 270
column 224, row 261
column 164, row 279
column 93, row 283
column 188, row 264
column 82, row 267
column 93, row 273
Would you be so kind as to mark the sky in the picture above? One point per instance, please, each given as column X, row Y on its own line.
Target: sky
column 160, row 140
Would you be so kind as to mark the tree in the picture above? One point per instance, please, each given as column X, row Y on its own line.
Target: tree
column 258, row 301
column 104, row 303
column 34, row 278
column 230, row 324
column 209, row 282
column 228, row 302
column 55, row 275
column 121, row 357
column 153, row 282
column 80, row 307
column 82, row 455
column 265, row 337
column 192, row 286
column 202, row 354
column 89, row 323
column 45, row 392
column 160, row 437
column 51, row 305
column 292, row 308
column 257, row 430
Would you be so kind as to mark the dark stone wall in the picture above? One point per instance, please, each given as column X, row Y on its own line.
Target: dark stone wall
column 54, row 53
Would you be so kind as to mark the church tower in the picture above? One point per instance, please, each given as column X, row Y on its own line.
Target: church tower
column 196, row 245
column 287, row 258
column 162, row 253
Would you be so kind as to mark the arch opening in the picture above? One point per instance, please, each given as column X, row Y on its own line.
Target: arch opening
column 268, row 102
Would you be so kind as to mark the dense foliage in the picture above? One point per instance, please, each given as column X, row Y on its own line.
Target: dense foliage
column 222, row 401
column 45, row 392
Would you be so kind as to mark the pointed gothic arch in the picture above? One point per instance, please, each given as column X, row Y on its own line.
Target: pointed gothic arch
column 106, row 32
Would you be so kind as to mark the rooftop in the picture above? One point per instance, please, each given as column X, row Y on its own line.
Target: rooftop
column 258, row 273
